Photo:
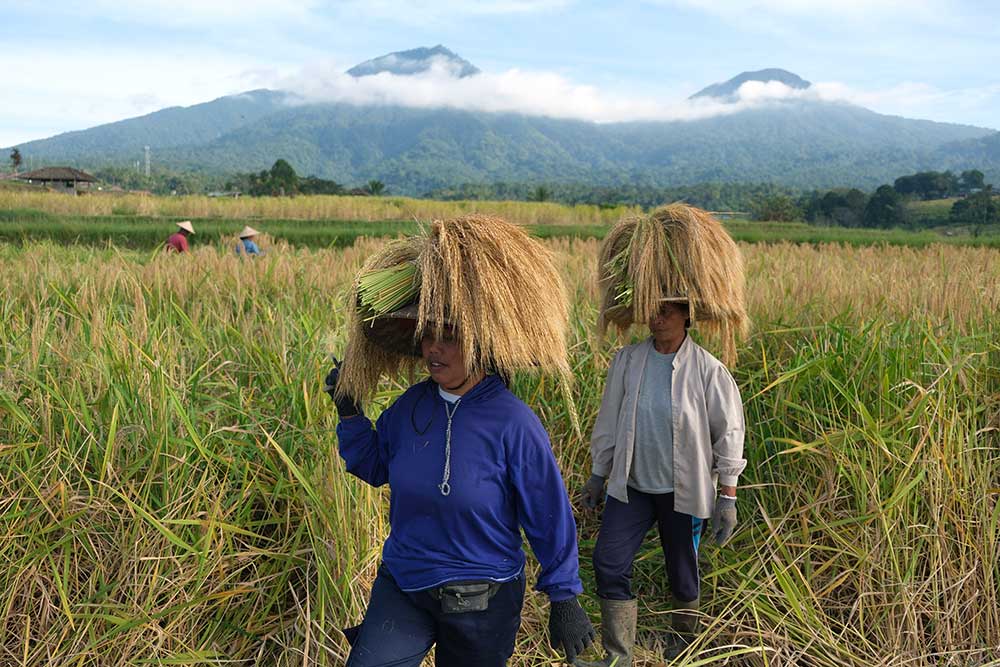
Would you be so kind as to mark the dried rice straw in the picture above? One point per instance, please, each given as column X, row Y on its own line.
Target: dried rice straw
column 483, row 275
column 677, row 252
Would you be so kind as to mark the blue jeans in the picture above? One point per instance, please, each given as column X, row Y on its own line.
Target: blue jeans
column 624, row 526
column 399, row 628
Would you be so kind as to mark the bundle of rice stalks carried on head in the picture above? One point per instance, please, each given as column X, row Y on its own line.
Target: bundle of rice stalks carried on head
column 485, row 277
column 676, row 253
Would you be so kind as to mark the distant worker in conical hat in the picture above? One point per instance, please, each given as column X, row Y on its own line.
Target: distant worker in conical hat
column 178, row 241
column 247, row 245
column 469, row 465
column 671, row 425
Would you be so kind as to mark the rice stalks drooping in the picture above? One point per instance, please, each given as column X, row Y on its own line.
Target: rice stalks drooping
column 486, row 277
column 678, row 252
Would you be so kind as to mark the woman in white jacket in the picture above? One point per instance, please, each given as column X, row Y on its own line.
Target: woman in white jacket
column 670, row 425
column 668, row 439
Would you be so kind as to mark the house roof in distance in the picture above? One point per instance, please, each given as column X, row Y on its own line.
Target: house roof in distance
column 58, row 174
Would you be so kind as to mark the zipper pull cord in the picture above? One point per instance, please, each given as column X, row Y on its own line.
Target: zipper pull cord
column 444, row 486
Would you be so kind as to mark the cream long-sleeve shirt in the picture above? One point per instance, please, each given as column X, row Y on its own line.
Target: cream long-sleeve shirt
column 708, row 425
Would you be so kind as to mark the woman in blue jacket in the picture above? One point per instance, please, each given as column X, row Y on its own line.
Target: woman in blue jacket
column 469, row 466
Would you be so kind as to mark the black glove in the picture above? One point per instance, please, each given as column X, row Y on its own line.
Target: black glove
column 347, row 406
column 569, row 628
column 593, row 491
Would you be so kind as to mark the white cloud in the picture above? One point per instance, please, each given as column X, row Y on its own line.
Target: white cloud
column 852, row 9
column 435, row 16
column 515, row 90
column 187, row 13
column 491, row 7
column 551, row 94
column 922, row 100
column 441, row 9
column 46, row 97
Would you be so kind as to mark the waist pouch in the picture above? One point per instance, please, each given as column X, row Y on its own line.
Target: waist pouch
column 460, row 597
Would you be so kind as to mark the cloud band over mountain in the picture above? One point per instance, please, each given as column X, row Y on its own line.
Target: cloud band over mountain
column 550, row 94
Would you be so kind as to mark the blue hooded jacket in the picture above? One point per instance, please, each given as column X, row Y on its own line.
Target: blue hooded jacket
column 504, row 477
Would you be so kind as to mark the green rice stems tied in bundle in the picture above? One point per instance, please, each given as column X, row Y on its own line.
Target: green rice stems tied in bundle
column 382, row 291
column 617, row 270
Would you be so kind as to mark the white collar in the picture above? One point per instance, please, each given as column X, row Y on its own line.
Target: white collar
column 451, row 398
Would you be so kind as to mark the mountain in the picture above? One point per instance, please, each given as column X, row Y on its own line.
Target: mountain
column 799, row 143
column 174, row 126
column 981, row 150
column 727, row 90
column 415, row 61
column 802, row 144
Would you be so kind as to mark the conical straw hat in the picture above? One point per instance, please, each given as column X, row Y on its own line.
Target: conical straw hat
column 498, row 286
column 248, row 231
column 676, row 253
column 186, row 226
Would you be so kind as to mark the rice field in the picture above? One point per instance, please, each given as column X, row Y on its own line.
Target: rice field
column 170, row 491
column 311, row 207
column 25, row 226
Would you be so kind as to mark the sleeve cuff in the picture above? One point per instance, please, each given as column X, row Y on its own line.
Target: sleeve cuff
column 564, row 594
column 357, row 424
column 728, row 481
column 602, row 471
column 563, row 591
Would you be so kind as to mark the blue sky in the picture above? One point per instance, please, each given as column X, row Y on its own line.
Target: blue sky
column 72, row 65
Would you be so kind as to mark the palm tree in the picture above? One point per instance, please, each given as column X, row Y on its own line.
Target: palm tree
column 375, row 187
column 15, row 159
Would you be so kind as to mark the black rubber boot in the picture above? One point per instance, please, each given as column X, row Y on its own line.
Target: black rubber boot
column 684, row 627
column 618, row 619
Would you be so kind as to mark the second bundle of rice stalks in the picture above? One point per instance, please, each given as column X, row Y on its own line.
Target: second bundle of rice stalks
column 676, row 253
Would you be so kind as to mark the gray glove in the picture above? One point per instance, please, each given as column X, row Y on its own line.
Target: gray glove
column 593, row 491
column 724, row 519
column 569, row 628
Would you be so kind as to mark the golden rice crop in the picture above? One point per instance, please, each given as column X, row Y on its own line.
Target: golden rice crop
column 311, row 207
column 170, row 491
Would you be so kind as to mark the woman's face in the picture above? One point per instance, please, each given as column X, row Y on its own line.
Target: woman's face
column 444, row 359
column 669, row 322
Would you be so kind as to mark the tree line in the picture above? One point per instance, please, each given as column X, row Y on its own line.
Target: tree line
column 889, row 205
column 282, row 180
column 713, row 196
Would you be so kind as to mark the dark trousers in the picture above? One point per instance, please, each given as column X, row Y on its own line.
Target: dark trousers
column 400, row 628
column 623, row 527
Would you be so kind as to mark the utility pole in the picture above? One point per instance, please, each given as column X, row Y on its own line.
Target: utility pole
column 147, row 161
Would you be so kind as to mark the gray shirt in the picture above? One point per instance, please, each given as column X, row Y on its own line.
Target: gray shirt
column 652, row 469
